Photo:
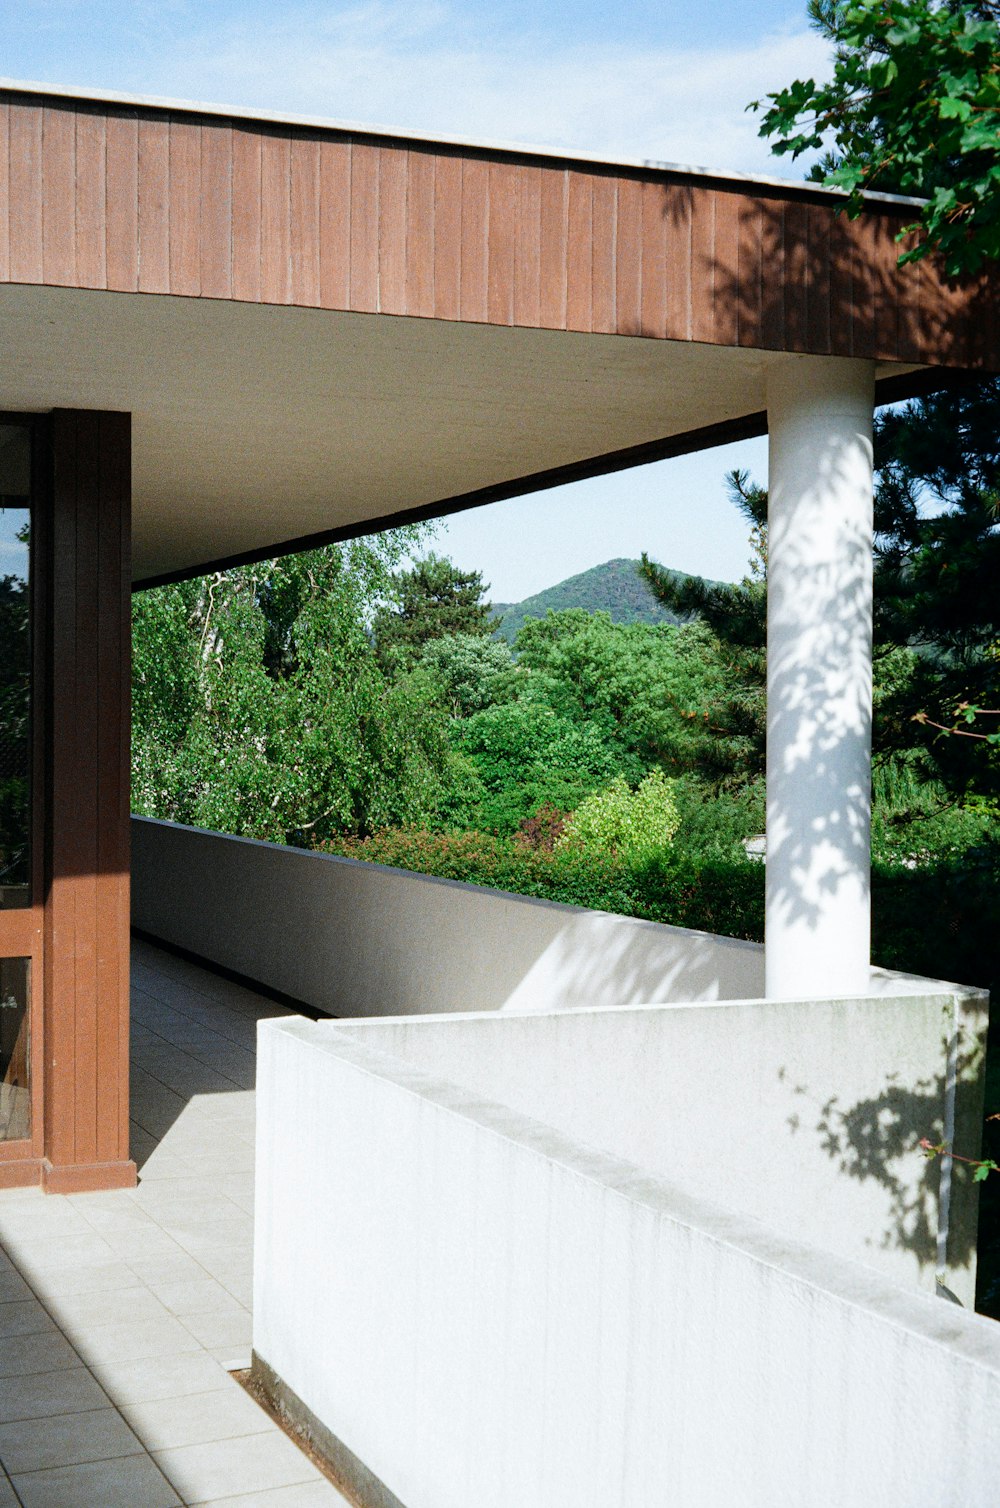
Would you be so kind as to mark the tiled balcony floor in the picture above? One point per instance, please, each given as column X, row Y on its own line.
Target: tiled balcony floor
column 121, row 1314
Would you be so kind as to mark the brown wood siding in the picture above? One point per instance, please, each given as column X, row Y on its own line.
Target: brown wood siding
column 87, row 861
column 171, row 202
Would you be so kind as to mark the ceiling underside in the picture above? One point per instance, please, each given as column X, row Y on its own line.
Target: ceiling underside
column 254, row 425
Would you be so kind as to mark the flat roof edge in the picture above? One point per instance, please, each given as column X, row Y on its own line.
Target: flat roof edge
column 397, row 133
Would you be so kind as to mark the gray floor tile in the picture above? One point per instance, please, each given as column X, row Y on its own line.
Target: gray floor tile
column 66, row 1392
column 127, row 1482
column 65, row 1440
column 23, row 1317
column 24, row 1354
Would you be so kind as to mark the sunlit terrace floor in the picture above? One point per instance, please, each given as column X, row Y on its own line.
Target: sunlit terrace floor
column 123, row 1314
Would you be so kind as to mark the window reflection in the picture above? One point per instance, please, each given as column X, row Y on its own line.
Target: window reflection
column 15, row 666
column 15, row 1090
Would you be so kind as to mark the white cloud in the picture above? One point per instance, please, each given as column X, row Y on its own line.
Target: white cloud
column 424, row 67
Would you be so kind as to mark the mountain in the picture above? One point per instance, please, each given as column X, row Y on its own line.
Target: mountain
column 615, row 587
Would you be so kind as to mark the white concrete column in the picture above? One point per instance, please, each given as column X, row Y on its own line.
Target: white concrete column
column 819, row 676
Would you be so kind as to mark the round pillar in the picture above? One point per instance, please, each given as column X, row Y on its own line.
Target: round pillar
column 819, row 676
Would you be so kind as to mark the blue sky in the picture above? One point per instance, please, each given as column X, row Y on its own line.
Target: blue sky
column 665, row 82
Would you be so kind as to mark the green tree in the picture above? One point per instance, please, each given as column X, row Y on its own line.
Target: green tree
column 469, row 671
column 260, row 707
column 646, row 688
column 429, row 601
column 731, row 739
column 913, row 106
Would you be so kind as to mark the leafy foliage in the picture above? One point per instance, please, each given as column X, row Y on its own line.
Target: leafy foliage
column 429, row 601
column 913, row 106
column 637, row 826
column 259, row 707
column 732, row 746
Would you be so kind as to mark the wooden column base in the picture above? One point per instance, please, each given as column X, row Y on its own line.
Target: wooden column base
column 87, row 1178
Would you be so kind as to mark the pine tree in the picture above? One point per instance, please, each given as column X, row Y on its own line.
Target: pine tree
column 431, row 600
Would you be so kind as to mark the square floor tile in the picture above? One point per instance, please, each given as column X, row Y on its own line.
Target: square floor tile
column 252, row 1463
column 127, row 1482
column 65, row 1440
column 72, row 1391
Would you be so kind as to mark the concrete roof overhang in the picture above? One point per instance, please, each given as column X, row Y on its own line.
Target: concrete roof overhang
column 321, row 330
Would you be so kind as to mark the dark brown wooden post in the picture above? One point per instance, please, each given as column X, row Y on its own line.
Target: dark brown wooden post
column 86, row 989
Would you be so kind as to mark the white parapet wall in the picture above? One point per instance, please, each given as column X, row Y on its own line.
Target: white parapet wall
column 356, row 939
column 805, row 1115
column 471, row 1306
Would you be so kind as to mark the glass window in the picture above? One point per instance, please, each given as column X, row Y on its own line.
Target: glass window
column 15, row 665
column 15, row 1090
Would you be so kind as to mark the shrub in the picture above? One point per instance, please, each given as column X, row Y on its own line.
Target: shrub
column 637, row 826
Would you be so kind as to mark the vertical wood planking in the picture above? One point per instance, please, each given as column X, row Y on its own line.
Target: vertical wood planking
column 862, row 252
column 628, row 257
column 703, row 264
column 448, row 237
column 663, row 256
column 275, row 212
column 59, row 196
column 841, row 286
column 364, row 226
column 726, row 269
column 420, row 232
column 579, row 252
column 154, row 218
column 91, row 200
column 86, row 721
column 500, row 243
column 304, row 242
column 750, row 294
column 819, row 228
column 667, row 225
column 335, row 224
column 553, row 230
column 184, row 213
column 26, row 193
column 216, row 249
column 772, row 321
column 122, row 199
column 475, row 237
column 86, row 926
column 392, row 188
column 527, row 249
column 911, row 342
column 63, row 860
column 246, row 215
column 604, row 226
column 886, row 291
column 114, row 636
column 4, row 191
column 796, row 267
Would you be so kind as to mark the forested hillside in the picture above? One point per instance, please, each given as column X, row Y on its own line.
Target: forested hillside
column 615, row 588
